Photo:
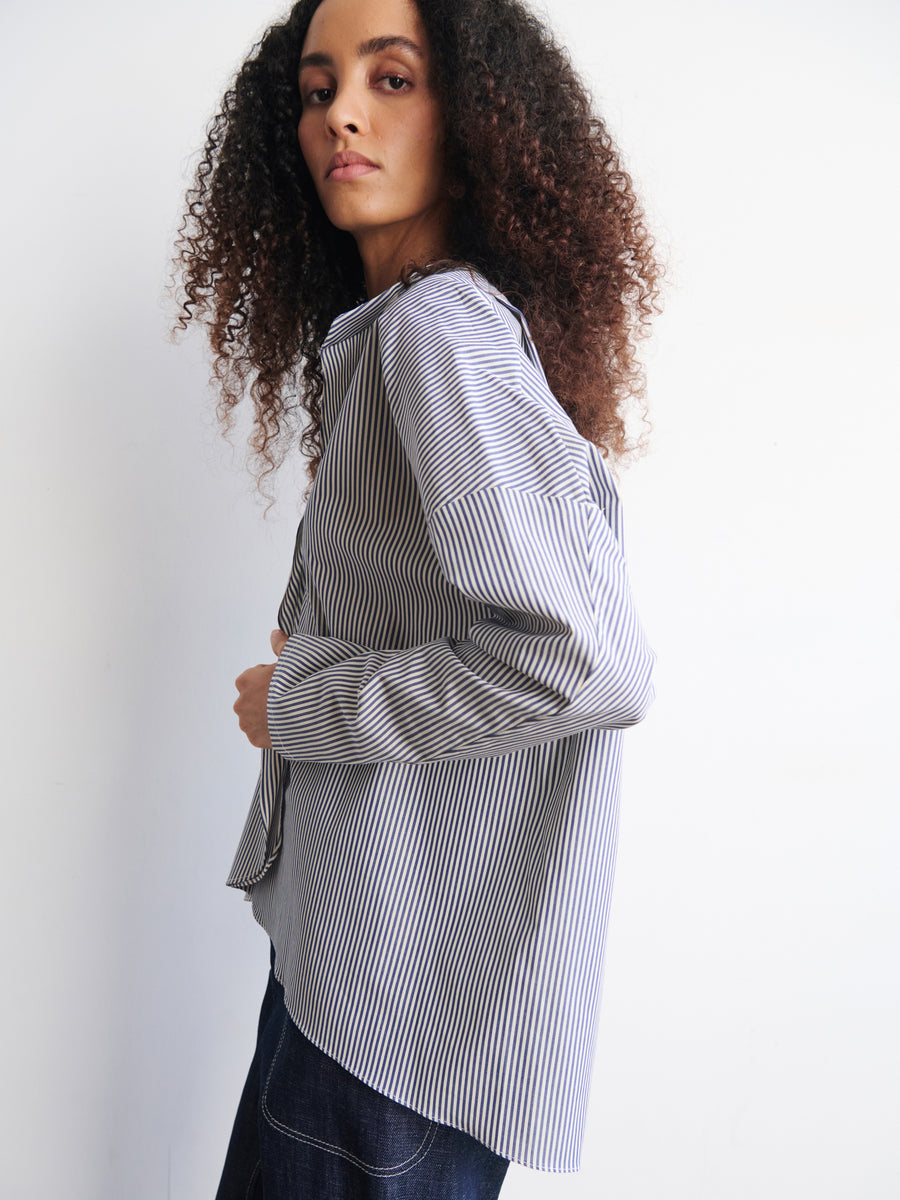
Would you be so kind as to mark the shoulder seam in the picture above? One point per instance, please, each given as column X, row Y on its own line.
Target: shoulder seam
column 567, row 500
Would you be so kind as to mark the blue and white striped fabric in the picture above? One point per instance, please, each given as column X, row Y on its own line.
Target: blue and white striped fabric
column 431, row 844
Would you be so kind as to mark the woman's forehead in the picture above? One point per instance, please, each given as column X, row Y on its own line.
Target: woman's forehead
column 340, row 24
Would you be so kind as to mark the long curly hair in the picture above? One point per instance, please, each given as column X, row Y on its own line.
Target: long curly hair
column 547, row 213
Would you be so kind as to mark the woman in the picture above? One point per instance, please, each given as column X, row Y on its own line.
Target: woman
column 388, row 189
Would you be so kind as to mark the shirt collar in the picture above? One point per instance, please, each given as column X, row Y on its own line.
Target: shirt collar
column 357, row 319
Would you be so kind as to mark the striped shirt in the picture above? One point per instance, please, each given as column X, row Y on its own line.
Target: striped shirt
column 431, row 842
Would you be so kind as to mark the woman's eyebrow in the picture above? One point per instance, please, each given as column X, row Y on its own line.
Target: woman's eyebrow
column 374, row 45
column 378, row 44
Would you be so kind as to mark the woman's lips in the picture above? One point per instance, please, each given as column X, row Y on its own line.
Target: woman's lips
column 351, row 170
column 348, row 164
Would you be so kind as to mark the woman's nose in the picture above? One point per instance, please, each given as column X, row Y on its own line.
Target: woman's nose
column 347, row 113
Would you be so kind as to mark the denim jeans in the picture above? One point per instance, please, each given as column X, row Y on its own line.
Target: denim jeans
column 306, row 1129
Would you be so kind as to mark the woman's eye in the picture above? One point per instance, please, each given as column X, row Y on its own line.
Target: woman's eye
column 319, row 95
column 394, row 83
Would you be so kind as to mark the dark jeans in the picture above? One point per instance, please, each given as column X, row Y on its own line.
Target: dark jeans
column 306, row 1129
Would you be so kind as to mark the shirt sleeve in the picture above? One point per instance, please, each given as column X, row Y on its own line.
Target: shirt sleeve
column 504, row 485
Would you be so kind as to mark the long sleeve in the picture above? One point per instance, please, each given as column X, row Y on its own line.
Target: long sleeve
column 504, row 485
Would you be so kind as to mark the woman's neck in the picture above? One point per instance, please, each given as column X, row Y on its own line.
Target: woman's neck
column 387, row 249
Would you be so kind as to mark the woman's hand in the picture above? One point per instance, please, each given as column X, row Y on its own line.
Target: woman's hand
column 253, row 692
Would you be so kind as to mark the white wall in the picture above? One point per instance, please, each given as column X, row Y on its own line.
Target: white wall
column 748, row 1046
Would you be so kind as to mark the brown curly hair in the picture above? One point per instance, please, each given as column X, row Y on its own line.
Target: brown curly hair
column 547, row 214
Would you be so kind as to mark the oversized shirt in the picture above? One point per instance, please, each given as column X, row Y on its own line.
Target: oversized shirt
column 432, row 839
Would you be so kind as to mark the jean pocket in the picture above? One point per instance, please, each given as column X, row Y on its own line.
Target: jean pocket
column 311, row 1098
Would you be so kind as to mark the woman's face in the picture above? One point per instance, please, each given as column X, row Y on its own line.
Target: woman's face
column 371, row 129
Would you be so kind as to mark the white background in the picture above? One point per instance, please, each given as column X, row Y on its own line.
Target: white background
column 749, row 1040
